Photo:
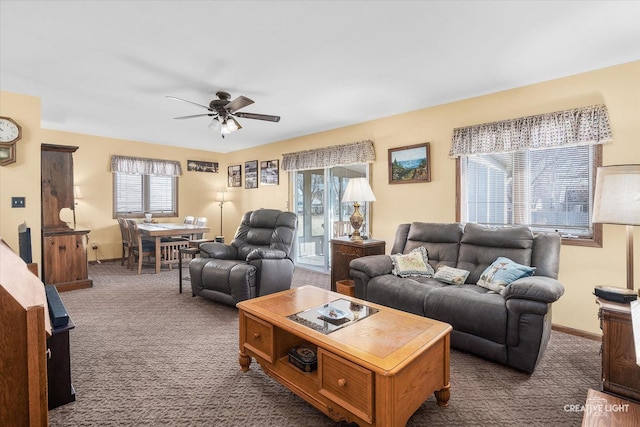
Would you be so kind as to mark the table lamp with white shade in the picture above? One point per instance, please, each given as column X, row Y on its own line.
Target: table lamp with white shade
column 358, row 190
column 617, row 201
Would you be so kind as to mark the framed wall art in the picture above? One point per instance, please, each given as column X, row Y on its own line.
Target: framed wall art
column 270, row 172
column 235, row 176
column 251, row 174
column 198, row 166
column 409, row 164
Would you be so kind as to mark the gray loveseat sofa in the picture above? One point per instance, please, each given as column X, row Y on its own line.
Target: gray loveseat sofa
column 511, row 327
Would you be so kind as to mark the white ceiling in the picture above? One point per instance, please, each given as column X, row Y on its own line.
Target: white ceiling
column 105, row 67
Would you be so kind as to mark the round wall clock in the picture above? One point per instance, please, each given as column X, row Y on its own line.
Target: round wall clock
column 10, row 131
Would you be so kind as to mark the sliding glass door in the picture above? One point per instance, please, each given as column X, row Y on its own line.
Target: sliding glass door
column 321, row 213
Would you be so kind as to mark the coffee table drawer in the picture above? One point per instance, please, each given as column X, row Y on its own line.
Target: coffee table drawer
column 259, row 337
column 346, row 383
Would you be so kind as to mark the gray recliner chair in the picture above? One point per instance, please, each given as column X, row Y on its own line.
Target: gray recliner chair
column 256, row 263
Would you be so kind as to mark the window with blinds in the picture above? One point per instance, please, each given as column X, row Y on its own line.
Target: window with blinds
column 135, row 195
column 547, row 189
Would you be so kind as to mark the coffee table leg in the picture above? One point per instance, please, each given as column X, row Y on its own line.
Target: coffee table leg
column 245, row 361
column 443, row 395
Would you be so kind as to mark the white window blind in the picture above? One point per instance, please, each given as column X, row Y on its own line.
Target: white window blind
column 128, row 193
column 143, row 185
column 135, row 195
column 549, row 189
column 161, row 192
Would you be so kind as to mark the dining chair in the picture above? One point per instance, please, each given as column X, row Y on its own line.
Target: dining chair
column 189, row 219
column 341, row 228
column 126, row 241
column 139, row 248
column 201, row 221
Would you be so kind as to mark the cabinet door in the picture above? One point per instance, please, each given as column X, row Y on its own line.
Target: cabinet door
column 620, row 373
column 65, row 258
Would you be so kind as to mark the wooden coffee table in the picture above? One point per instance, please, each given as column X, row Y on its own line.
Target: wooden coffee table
column 375, row 367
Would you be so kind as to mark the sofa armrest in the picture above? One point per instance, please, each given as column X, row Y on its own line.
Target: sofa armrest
column 218, row 250
column 266, row 253
column 536, row 288
column 365, row 268
column 372, row 265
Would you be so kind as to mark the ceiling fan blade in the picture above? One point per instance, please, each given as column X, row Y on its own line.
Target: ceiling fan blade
column 189, row 102
column 193, row 115
column 266, row 117
column 238, row 103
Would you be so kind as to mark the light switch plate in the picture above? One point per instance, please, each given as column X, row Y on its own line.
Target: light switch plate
column 17, row 202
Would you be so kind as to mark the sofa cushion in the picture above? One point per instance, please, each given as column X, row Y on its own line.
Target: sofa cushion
column 470, row 309
column 405, row 294
column 415, row 263
column 454, row 276
column 442, row 241
column 502, row 272
column 482, row 245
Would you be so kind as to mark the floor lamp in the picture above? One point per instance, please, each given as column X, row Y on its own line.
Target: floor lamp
column 220, row 198
column 617, row 201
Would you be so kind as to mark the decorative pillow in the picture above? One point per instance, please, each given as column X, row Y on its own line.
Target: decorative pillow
column 502, row 272
column 415, row 263
column 453, row 276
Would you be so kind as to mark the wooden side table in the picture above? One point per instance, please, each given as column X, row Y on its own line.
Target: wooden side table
column 602, row 409
column 343, row 250
column 620, row 373
column 188, row 251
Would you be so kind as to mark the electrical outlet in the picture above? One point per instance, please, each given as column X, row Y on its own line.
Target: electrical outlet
column 94, row 246
column 18, row 202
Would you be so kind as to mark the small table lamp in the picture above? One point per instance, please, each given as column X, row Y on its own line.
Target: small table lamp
column 358, row 190
column 617, row 201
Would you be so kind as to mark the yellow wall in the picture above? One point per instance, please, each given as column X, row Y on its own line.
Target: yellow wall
column 581, row 268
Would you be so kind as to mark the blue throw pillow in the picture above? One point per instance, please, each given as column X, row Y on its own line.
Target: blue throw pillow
column 502, row 272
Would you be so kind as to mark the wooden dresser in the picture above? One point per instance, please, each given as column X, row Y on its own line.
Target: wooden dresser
column 343, row 250
column 64, row 249
column 620, row 373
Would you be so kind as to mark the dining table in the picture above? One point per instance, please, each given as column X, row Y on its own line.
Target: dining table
column 167, row 250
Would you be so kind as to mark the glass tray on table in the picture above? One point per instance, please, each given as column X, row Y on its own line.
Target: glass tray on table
column 332, row 316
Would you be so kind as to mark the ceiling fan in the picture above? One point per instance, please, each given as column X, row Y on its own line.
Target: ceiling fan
column 225, row 111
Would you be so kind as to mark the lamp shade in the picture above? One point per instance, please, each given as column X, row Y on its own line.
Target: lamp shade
column 358, row 190
column 220, row 196
column 617, row 197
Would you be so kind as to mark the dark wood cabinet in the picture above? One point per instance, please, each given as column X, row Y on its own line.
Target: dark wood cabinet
column 620, row 373
column 61, row 390
column 64, row 249
column 343, row 250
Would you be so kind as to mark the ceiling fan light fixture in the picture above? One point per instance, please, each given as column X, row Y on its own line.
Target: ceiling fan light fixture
column 232, row 124
column 225, row 129
column 215, row 124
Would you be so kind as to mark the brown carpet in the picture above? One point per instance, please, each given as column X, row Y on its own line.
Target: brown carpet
column 145, row 355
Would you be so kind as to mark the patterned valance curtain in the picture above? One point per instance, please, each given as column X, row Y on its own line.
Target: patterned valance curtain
column 580, row 126
column 142, row 166
column 336, row 155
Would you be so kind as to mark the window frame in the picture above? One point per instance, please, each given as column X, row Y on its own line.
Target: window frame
column 145, row 199
column 594, row 241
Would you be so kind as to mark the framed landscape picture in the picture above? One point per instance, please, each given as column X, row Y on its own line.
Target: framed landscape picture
column 235, row 176
column 269, row 172
column 251, row 174
column 409, row 164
